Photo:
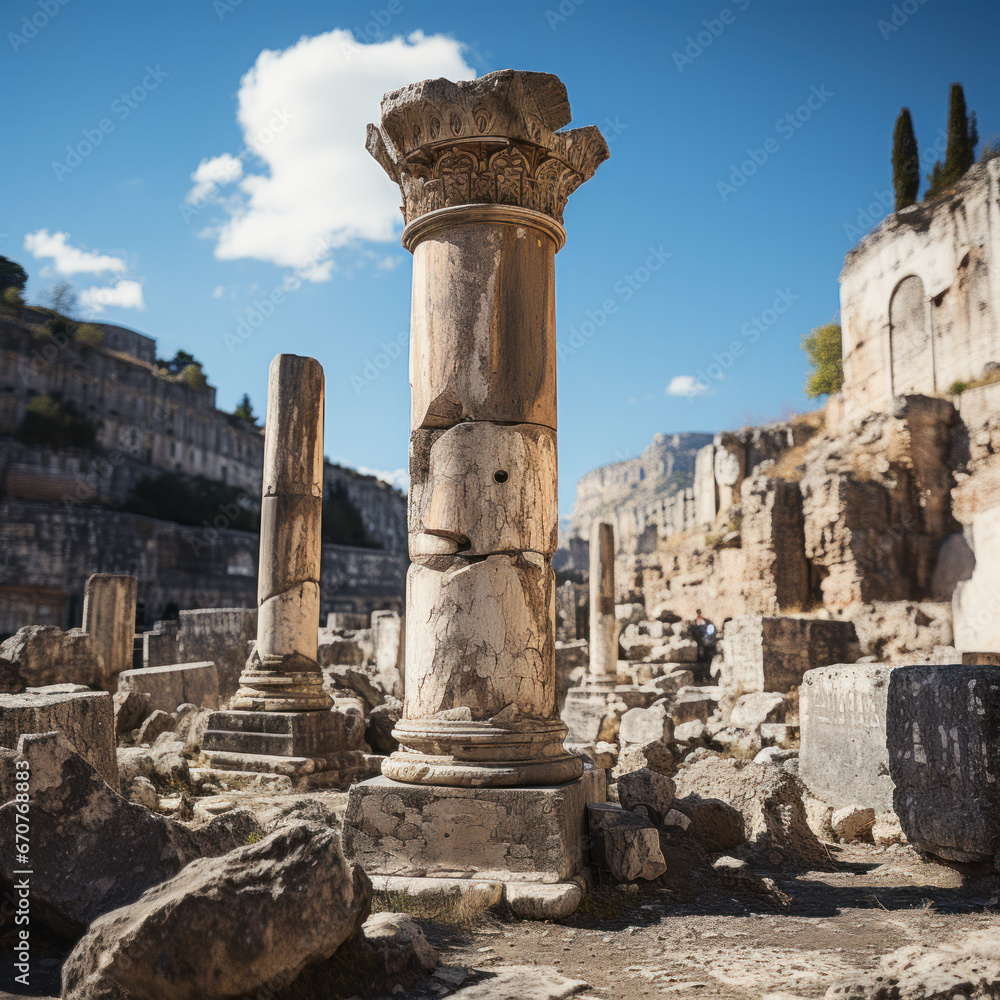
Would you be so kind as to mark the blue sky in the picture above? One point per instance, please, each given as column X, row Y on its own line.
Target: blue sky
column 284, row 198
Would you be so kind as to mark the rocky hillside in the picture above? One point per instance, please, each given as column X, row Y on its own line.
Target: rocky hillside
column 623, row 492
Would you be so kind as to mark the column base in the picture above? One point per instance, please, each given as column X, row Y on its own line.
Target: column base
column 466, row 753
column 314, row 749
column 289, row 683
column 530, row 834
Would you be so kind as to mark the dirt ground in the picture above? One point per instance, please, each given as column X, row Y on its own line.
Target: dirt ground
column 700, row 939
column 736, row 947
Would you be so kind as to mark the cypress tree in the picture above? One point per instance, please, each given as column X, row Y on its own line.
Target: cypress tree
column 905, row 161
column 961, row 152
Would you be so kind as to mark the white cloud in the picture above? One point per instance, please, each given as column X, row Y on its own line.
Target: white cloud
column 125, row 294
column 303, row 112
column 213, row 174
column 218, row 292
column 69, row 259
column 400, row 478
column 687, row 385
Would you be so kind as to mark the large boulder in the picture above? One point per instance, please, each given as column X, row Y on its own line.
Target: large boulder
column 91, row 850
column 754, row 710
column 969, row 969
column 224, row 927
column 770, row 800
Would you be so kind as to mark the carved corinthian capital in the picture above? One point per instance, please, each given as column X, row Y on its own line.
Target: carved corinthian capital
column 491, row 141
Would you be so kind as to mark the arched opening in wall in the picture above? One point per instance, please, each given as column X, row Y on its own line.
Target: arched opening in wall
column 910, row 350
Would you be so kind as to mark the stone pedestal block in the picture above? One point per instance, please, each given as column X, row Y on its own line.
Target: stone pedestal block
column 762, row 653
column 509, row 834
column 286, row 734
column 943, row 737
column 85, row 718
column 842, row 712
column 174, row 684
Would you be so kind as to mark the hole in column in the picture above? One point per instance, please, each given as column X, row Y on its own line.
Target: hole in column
column 500, row 476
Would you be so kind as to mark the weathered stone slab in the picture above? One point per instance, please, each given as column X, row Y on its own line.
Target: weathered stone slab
column 483, row 488
column 389, row 641
column 842, row 713
column 508, row 834
column 85, row 718
column 943, row 738
column 109, row 619
column 763, row 653
column 589, row 714
column 44, row 655
column 174, row 684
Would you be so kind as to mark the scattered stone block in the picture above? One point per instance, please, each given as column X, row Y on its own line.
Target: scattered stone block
column 381, row 720
column 768, row 797
column 631, row 854
column 690, row 732
column 943, row 737
column 85, row 718
column 763, row 653
column 175, row 684
column 227, row 926
column 692, row 703
column 591, row 714
column 646, row 788
column 531, row 834
column 779, row 734
column 887, row 830
column 158, row 723
column 842, row 715
column 347, row 621
column 714, row 824
column 647, row 725
column 752, row 711
column 131, row 707
column 676, row 649
column 737, row 874
column 676, row 818
column 852, row 822
column 44, row 655
column 338, row 650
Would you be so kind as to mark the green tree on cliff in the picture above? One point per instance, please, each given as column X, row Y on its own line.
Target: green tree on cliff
column 244, row 410
column 963, row 136
column 12, row 275
column 905, row 161
column 823, row 348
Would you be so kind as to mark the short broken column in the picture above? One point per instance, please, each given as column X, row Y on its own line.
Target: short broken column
column 589, row 708
column 485, row 177
column 280, row 719
column 603, row 624
column 109, row 601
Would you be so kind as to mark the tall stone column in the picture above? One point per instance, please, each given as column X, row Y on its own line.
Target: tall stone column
column 282, row 673
column 485, row 175
column 280, row 720
column 603, row 624
column 485, row 178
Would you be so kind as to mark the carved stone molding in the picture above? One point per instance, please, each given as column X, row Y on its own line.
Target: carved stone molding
column 491, row 141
